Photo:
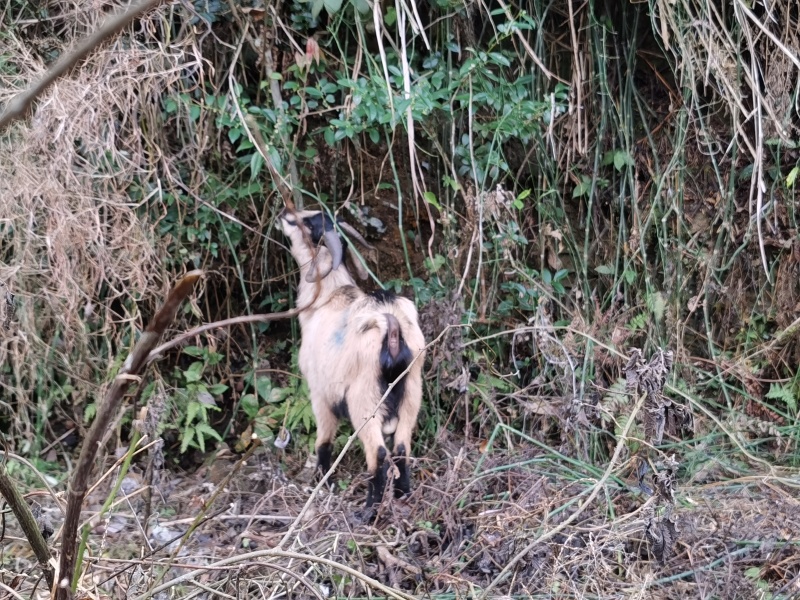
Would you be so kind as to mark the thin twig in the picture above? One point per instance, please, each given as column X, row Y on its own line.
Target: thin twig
column 277, row 553
column 183, row 337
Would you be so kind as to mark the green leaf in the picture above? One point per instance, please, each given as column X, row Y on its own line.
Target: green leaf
column 256, row 164
column 782, row 392
column 316, row 8
column 249, row 404
column 208, row 431
column 792, row 176
column 195, row 351
column 278, row 394
column 362, row 6
column 499, row 59
column 194, row 373
column 638, row 322
column 622, row 158
column 430, row 198
column 583, row 187
column 218, row 388
column 192, row 409
column 518, row 201
column 434, row 265
column 332, row 6
column 264, row 387
column 186, row 439
column 630, row 276
column 194, row 112
column 374, row 136
column 605, row 269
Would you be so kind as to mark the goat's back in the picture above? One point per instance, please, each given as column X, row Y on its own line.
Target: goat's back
column 342, row 339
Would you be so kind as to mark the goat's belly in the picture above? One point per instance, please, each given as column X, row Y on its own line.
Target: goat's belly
column 389, row 426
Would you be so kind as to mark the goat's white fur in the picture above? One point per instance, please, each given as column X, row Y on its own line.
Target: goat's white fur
column 343, row 330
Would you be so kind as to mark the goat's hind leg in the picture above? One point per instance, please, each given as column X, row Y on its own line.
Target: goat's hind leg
column 406, row 422
column 402, row 450
column 327, row 424
column 371, row 438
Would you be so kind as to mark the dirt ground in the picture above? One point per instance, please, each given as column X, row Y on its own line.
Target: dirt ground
column 476, row 522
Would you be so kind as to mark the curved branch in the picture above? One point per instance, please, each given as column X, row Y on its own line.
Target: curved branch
column 129, row 372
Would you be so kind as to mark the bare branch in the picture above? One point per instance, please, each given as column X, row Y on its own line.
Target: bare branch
column 132, row 366
column 27, row 522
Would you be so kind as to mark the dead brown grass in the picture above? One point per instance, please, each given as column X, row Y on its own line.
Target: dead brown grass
column 75, row 251
column 470, row 515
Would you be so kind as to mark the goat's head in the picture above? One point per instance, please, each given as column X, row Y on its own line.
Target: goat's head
column 306, row 229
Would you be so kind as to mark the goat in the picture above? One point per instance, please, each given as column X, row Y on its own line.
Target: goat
column 353, row 346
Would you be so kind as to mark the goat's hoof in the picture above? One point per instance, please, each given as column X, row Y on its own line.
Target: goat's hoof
column 400, row 494
column 366, row 515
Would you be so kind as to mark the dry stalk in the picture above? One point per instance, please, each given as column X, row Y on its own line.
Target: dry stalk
column 183, row 337
column 27, row 522
column 129, row 373
column 277, row 553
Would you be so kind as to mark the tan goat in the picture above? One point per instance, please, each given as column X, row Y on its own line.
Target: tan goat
column 354, row 345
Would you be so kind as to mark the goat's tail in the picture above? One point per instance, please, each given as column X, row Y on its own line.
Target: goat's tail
column 392, row 335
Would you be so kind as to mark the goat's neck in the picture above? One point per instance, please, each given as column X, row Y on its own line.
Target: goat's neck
column 315, row 294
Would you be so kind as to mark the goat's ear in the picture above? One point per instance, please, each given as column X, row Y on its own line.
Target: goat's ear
column 321, row 265
column 351, row 231
column 355, row 261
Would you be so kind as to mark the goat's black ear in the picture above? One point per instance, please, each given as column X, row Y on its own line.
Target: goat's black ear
column 317, row 225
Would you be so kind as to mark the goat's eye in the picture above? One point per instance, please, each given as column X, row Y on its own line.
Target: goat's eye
column 291, row 222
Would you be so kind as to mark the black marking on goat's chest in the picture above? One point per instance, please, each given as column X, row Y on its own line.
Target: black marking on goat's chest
column 391, row 368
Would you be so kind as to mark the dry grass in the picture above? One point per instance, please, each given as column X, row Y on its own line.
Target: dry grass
column 470, row 515
column 76, row 252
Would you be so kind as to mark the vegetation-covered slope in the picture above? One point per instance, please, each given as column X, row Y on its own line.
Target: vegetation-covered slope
column 556, row 184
